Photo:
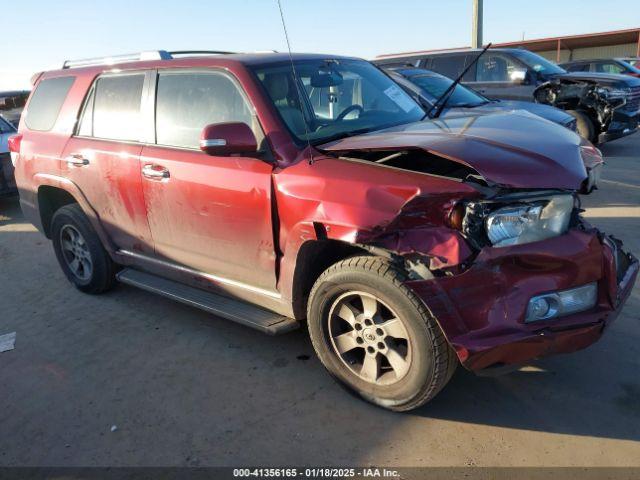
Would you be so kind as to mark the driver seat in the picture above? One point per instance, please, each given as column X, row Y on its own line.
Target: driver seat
column 284, row 95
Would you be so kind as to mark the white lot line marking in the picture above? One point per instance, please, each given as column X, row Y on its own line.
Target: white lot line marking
column 612, row 212
column 622, row 184
column 7, row 342
column 17, row 227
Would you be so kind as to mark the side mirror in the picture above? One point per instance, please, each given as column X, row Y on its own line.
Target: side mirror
column 224, row 139
column 518, row 75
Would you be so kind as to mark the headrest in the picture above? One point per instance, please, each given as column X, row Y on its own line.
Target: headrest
column 277, row 85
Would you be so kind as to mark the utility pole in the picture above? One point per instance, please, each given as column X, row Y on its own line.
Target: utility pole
column 476, row 24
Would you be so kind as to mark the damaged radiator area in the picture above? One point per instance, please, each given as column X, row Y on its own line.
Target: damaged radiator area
column 418, row 160
column 587, row 96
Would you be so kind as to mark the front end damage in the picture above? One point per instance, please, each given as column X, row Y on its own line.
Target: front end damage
column 482, row 295
column 485, row 310
column 487, row 288
column 605, row 106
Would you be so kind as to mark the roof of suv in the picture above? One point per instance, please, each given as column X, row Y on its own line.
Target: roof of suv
column 207, row 60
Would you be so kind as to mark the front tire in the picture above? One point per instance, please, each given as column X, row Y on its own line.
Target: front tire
column 375, row 336
column 584, row 125
column 79, row 250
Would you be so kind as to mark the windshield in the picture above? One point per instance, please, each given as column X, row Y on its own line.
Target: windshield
column 433, row 87
column 339, row 98
column 537, row 63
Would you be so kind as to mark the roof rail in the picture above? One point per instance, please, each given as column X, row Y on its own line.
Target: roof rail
column 198, row 52
column 135, row 57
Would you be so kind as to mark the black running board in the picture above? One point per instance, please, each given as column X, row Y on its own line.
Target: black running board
column 235, row 310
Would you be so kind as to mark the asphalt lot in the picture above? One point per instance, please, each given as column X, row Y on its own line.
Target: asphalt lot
column 186, row 388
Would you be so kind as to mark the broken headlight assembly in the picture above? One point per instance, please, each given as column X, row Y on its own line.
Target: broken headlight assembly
column 500, row 223
column 614, row 93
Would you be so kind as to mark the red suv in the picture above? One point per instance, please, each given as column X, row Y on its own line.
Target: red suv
column 271, row 190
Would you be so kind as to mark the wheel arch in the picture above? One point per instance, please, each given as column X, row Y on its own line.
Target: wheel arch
column 313, row 258
column 50, row 200
column 54, row 192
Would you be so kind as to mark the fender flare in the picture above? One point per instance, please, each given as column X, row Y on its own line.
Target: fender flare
column 62, row 183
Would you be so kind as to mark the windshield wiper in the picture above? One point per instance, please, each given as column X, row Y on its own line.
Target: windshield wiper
column 341, row 135
column 441, row 102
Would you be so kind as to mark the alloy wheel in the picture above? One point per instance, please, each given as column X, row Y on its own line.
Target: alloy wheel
column 369, row 338
column 75, row 252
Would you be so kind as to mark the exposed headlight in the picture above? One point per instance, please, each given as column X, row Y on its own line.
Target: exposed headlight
column 529, row 222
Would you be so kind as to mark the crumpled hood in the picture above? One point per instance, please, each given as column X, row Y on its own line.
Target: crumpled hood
column 515, row 149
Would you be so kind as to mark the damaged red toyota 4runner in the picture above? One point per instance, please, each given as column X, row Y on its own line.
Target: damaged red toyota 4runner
column 272, row 190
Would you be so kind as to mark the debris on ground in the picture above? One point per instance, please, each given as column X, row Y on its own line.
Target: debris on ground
column 7, row 342
column 114, row 428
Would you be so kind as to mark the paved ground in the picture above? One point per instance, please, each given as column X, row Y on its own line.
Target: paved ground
column 185, row 388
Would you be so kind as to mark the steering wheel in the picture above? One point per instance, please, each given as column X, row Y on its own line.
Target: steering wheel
column 348, row 110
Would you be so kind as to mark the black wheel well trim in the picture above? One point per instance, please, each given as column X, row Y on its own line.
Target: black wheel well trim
column 313, row 258
column 50, row 200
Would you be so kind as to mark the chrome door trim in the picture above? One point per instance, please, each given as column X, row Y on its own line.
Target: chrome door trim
column 208, row 276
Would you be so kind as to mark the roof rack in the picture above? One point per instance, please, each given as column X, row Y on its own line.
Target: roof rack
column 136, row 57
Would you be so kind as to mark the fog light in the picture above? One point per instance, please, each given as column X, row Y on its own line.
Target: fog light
column 539, row 308
column 558, row 304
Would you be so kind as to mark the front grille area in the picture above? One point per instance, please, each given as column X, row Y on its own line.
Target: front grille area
column 633, row 100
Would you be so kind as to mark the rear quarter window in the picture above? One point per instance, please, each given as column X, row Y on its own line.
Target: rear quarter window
column 46, row 103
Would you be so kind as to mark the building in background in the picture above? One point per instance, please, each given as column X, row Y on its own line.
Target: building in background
column 617, row 43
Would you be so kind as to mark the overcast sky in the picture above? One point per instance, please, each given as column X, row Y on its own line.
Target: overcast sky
column 40, row 34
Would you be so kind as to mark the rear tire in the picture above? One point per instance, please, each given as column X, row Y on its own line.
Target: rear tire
column 79, row 250
column 584, row 125
column 375, row 336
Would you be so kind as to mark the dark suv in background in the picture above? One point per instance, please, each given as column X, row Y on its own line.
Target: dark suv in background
column 622, row 66
column 427, row 87
column 606, row 106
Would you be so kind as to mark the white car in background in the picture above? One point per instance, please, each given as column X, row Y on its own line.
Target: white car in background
column 7, row 181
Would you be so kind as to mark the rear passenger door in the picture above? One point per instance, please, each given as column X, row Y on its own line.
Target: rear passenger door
column 212, row 214
column 103, row 157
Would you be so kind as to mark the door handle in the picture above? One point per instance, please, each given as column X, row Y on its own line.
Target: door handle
column 77, row 160
column 155, row 172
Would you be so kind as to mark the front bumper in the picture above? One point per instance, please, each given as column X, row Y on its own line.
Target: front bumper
column 482, row 310
column 622, row 124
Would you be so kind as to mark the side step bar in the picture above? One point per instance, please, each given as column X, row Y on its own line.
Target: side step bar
column 235, row 310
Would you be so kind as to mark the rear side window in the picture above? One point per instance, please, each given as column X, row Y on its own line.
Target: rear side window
column 46, row 103
column 187, row 102
column 580, row 67
column 448, row 66
column 495, row 68
column 609, row 67
column 115, row 108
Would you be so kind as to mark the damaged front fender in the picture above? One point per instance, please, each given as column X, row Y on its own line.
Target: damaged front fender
column 359, row 203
